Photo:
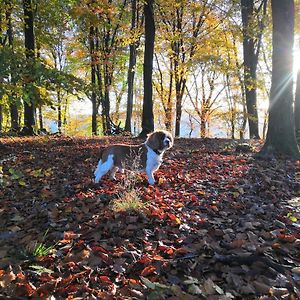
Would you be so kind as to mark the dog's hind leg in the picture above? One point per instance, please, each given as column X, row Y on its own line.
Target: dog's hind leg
column 103, row 168
column 113, row 172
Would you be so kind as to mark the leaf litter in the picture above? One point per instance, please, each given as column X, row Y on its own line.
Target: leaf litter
column 218, row 225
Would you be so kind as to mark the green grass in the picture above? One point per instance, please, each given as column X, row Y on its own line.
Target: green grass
column 128, row 201
column 41, row 249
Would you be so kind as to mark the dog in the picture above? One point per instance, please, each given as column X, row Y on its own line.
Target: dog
column 148, row 156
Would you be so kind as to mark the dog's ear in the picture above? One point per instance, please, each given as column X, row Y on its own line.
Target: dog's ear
column 153, row 141
column 169, row 135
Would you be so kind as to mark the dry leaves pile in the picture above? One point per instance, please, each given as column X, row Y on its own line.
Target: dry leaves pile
column 218, row 225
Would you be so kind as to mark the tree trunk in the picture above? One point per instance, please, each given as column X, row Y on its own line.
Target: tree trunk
column 169, row 109
column 179, row 87
column 1, row 107
column 250, row 65
column 232, row 121
column 203, row 119
column 281, row 137
column 297, row 107
column 14, row 117
column 147, row 115
column 41, row 122
column 59, row 117
column 93, row 79
column 65, row 113
column 14, row 113
column 106, row 100
column 29, row 107
column 99, row 81
column 1, row 119
column 131, row 69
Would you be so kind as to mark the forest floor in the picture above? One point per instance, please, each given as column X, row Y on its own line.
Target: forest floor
column 219, row 224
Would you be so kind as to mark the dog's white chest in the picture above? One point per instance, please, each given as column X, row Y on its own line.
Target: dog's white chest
column 154, row 160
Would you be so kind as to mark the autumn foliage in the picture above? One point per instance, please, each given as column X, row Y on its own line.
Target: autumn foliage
column 218, row 224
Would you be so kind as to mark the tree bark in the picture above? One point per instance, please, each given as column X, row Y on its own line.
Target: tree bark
column 147, row 115
column 99, row 80
column 131, row 69
column 106, row 100
column 41, row 122
column 1, row 119
column 93, row 79
column 29, row 105
column 297, row 107
column 250, row 66
column 281, row 138
column 179, row 76
column 59, row 117
column 14, row 113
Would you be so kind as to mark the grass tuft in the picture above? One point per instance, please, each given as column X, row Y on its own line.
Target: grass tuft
column 40, row 249
column 128, row 201
column 129, row 195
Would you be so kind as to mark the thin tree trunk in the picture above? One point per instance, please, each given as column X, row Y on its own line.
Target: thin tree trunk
column 250, row 65
column 65, row 113
column 297, row 106
column 1, row 119
column 99, row 82
column 14, row 113
column 169, row 110
column 179, row 87
column 131, row 69
column 59, row 117
column 29, row 105
column 281, row 138
column 106, row 100
column 41, row 122
column 147, row 115
column 1, row 107
column 93, row 79
column 203, row 125
column 107, row 78
column 14, row 117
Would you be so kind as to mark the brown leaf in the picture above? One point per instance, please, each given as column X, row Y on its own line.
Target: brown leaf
column 6, row 278
column 148, row 270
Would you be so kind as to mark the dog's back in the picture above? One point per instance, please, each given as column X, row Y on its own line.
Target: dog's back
column 125, row 156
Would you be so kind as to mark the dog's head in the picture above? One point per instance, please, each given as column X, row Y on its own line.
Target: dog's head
column 160, row 140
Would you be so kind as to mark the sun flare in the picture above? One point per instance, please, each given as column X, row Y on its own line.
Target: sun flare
column 296, row 60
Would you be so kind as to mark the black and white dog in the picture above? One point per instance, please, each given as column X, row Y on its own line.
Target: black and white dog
column 149, row 156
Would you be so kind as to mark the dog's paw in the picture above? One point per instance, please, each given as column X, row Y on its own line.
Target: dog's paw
column 151, row 181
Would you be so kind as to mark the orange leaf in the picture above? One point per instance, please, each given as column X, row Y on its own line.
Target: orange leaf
column 276, row 246
column 289, row 238
column 105, row 279
column 158, row 257
column 174, row 218
column 144, row 259
column 26, row 289
column 99, row 249
column 148, row 270
column 237, row 243
column 21, row 276
column 181, row 250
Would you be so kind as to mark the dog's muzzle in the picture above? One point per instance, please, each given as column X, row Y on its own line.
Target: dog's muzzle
column 167, row 143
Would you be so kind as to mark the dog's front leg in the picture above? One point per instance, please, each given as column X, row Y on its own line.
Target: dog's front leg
column 150, row 176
